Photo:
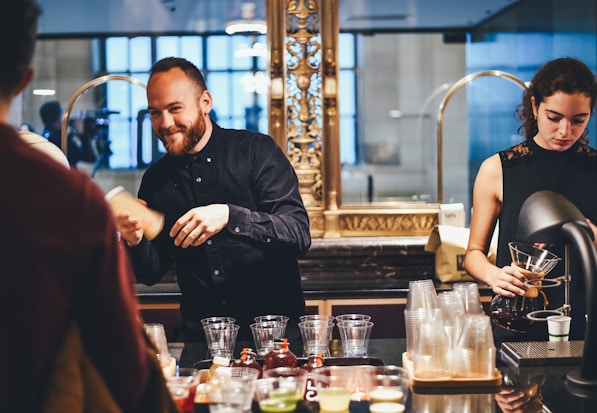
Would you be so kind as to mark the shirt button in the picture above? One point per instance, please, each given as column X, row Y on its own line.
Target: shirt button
column 216, row 272
column 236, row 229
column 209, row 242
column 194, row 157
column 198, row 179
column 268, row 240
column 208, row 160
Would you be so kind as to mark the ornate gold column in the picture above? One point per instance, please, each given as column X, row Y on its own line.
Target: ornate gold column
column 304, row 120
column 295, row 50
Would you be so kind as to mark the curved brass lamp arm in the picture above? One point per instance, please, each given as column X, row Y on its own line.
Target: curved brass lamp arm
column 83, row 89
column 440, row 117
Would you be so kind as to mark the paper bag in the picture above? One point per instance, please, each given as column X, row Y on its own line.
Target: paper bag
column 449, row 245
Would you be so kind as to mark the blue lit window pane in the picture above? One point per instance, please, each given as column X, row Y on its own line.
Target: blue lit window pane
column 347, row 141
column 140, row 49
column 347, row 92
column 241, row 90
column 218, row 52
column 117, row 52
column 118, row 97
column 120, row 145
column 346, row 50
column 241, row 43
column 219, row 85
column 191, row 49
column 138, row 99
column 262, row 60
column 166, row 46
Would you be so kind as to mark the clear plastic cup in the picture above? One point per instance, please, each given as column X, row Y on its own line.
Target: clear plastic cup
column 354, row 336
column 430, row 357
column 278, row 394
column 264, row 335
column 352, row 317
column 388, row 389
column 221, row 339
column 280, row 321
column 157, row 335
column 316, row 337
column 475, row 353
column 469, row 293
column 453, row 311
column 421, row 295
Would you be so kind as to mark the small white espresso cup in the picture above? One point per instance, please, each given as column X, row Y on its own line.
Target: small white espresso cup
column 558, row 327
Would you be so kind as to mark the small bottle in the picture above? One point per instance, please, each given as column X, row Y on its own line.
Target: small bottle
column 280, row 356
column 314, row 361
column 218, row 362
column 248, row 358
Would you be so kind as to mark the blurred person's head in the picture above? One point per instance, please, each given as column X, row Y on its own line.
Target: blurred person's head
column 50, row 113
column 18, row 34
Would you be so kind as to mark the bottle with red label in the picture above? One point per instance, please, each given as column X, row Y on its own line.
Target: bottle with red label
column 280, row 356
column 313, row 362
column 248, row 358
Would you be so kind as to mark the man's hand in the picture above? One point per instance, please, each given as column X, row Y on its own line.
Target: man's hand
column 198, row 224
column 130, row 228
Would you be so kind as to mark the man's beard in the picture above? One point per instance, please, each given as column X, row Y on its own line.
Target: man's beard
column 191, row 137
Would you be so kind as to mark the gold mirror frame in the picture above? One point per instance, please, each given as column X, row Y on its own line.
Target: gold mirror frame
column 304, row 120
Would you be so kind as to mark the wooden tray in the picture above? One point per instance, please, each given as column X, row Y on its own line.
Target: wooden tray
column 464, row 383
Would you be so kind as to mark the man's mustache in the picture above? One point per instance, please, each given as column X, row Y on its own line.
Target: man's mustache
column 172, row 130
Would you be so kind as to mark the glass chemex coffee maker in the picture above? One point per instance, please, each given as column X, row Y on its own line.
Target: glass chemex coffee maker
column 518, row 313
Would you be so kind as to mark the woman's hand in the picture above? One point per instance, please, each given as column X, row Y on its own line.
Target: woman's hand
column 507, row 281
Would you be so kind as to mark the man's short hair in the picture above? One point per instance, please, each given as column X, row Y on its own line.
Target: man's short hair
column 187, row 67
column 18, row 34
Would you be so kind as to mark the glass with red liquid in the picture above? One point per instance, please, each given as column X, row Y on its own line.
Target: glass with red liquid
column 183, row 388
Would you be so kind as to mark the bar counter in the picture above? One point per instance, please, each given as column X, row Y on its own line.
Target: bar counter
column 547, row 382
column 344, row 267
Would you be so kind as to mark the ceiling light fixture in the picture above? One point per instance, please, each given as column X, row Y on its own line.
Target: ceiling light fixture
column 44, row 92
column 247, row 24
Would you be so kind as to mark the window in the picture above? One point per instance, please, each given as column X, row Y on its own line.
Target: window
column 235, row 69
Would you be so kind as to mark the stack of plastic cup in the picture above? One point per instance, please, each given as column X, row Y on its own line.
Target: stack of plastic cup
column 469, row 293
column 475, row 353
column 421, row 305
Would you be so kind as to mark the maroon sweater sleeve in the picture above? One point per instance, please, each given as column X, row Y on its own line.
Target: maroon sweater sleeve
column 109, row 321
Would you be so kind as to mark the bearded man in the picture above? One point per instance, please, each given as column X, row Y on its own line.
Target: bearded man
column 235, row 223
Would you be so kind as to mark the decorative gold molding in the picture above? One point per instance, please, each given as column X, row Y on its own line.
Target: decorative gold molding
column 304, row 119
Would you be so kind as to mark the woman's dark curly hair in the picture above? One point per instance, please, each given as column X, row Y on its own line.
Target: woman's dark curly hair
column 566, row 75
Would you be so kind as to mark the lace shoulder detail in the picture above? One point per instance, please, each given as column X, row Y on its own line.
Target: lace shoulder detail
column 586, row 151
column 515, row 153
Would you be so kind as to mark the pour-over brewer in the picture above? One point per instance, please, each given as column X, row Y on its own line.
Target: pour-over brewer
column 518, row 313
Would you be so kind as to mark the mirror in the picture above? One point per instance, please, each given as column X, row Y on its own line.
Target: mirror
column 400, row 83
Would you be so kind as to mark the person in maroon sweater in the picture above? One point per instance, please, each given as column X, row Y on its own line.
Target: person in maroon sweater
column 61, row 263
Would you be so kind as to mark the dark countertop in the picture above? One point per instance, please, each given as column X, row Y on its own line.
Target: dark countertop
column 356, row 267
column 550, row 381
